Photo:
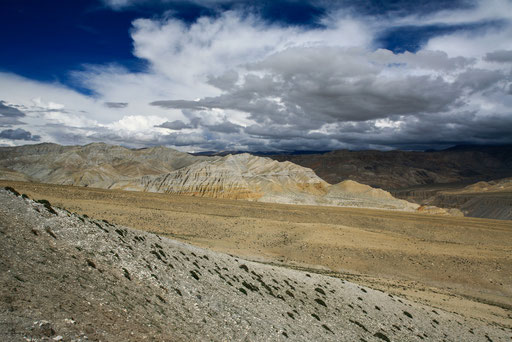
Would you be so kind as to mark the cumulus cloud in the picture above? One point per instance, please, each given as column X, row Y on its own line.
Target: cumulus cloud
column 236, row 81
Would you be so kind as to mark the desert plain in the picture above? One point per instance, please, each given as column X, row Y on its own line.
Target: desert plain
column 459, row 264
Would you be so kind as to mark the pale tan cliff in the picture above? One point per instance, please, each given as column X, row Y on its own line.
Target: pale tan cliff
column 241, row 176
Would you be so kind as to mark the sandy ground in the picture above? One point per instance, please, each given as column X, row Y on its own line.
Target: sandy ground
column 462, row 265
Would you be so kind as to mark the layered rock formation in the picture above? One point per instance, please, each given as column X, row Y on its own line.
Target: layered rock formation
column 65, row 277
column 244, row 176
column 241, row 176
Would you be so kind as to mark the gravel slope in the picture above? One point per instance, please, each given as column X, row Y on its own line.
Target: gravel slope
column 66, row 277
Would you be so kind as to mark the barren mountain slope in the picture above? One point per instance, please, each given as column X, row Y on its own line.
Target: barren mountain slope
column 95, row 165
column 491, row 199
column 159, row 169
column 353, row 194
column 244, row 176
column 241, row 176
column 401, row 169
column 67, row 277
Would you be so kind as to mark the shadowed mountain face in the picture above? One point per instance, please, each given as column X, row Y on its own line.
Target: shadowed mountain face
column 491, row 199
column 402, row 169
column 67, row 277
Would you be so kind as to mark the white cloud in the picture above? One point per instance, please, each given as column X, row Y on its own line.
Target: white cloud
column 235, row 81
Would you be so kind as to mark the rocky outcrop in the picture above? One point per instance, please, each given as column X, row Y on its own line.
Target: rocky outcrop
column 65, row 277
column 240, row 176
column 244, row 176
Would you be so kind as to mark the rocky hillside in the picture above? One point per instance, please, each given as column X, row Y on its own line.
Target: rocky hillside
column 96, row 165
column 244, row 176
column 402, row 169
column 241, row 176
column 491, row 199
column 66, row 277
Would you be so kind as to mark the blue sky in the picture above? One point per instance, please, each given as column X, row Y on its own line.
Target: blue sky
column 256, row 75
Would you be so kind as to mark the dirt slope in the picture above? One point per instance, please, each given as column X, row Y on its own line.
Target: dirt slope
column 66, row 277
column 459, row 264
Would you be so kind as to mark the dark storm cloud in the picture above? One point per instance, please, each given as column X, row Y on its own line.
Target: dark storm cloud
column 9, row 115
column 6, row 110
column 294, row 93
column 176, row 125
column 116, row 104
column 18, row 134
column 309, row 87
column 500, row 56
column 222, row 127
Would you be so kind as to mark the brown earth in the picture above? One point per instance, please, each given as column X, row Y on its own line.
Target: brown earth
column 462, row 265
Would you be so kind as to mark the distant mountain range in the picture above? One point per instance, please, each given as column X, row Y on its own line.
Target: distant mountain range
column 285, row 178
column 393, row 170
column 160, row 169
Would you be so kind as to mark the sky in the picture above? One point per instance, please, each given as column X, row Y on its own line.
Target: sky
column 269, row 75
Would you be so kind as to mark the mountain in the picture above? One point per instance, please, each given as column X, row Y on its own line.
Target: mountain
column 96, row 165
column 240, row 176
column 66, row 277
column 491, row 199
column 393, row 170
column 244, row 176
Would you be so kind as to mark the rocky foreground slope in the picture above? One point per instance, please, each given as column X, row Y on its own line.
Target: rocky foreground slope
column 70, row 278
